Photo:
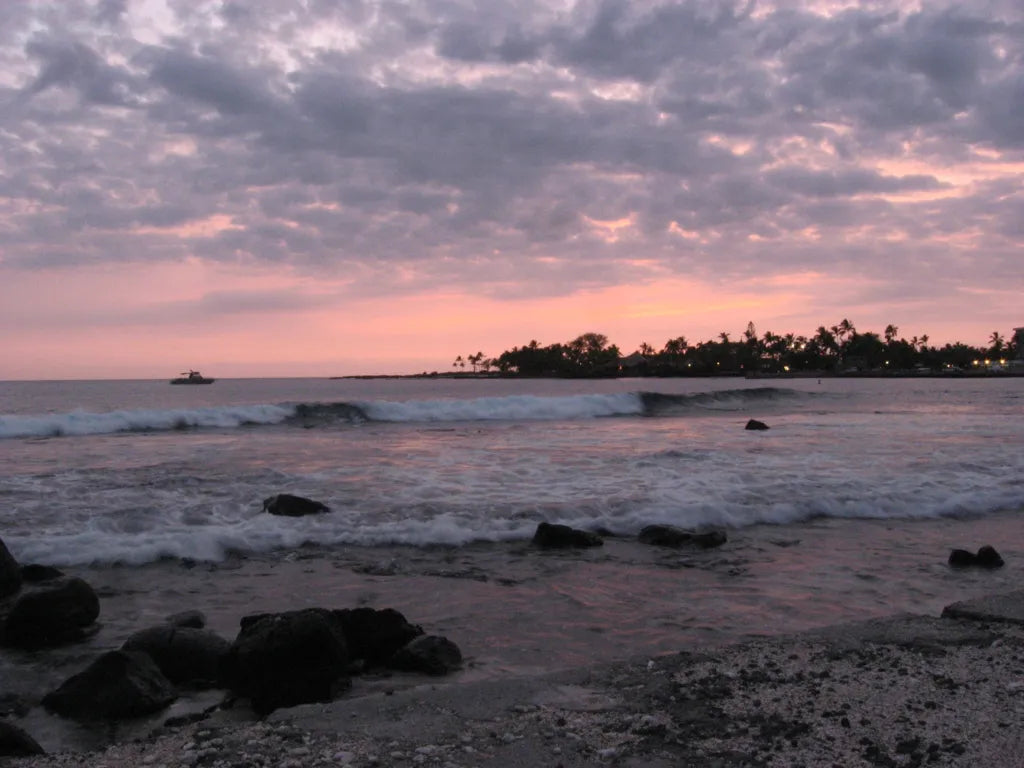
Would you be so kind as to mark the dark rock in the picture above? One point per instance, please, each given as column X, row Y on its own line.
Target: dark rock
column 552, row 535
column 191, row 619
column 986, row 557
column 14, row 742
column 284, row 659
column 961, row 557
column 34, row 573
column 118, row 685
column 10, row 572
column 184, row 655
column 293, row 506
column 428, row 654
column 671, row 536
column 755, row 424
column 374, row 636
column 57, row 613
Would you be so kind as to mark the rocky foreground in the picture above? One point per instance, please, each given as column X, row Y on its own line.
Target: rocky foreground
column 904, row 691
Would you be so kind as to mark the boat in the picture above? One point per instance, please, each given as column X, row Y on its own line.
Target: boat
column 192, row 377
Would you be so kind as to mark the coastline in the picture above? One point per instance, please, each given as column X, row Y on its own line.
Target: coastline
column 872, row 374
column 906, row 690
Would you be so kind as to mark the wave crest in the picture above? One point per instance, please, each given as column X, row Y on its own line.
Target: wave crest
column 507, row 408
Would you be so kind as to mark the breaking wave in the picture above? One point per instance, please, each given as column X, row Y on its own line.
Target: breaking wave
column 508, row 408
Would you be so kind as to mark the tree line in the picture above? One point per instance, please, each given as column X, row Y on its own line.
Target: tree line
column 840, row 348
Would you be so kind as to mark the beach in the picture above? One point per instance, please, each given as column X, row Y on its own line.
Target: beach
column 906, row 690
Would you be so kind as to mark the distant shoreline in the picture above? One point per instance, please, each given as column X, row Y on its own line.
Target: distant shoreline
column 789, row 375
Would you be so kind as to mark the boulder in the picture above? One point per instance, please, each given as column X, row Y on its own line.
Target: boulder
column 14, row 742
column 58, row 612
column 185, row 655
column 756, row 425
column 116, row 686
column 961, row 558
column 671, row 536
column 284, row 659
column 293, row 506
column 555, row 536
column 429, row 654
column 986, row 557
column 375, row 635
column 10, row 572
column 33, row 573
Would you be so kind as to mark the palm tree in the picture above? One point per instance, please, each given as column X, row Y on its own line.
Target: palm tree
column 996, row 344
column 826, row 341
column 675, row 347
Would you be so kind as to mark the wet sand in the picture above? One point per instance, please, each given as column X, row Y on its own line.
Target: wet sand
column 908, row 690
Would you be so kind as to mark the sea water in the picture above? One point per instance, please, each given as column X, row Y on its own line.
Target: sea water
column 845, row 508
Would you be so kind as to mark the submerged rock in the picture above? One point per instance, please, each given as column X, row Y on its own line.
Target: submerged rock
column 58, row 613
column 430, row 654
column 118, row 685
column 553, row 536
column 986, row 557
column 10, row 572
column 671, row 536
column 185, row 655
column 756, row 425
column 287, row 505
column 284, row 659
column 14, row 742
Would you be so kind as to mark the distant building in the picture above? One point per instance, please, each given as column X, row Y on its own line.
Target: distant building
column 1018, row 342
column 636, row 363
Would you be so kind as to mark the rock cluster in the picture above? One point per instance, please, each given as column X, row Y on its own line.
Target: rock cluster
column 277, row 659
column 555, row 536
column 986, row 557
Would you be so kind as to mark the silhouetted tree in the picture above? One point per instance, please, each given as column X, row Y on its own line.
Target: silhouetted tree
column 996, row 344
column 591, row 354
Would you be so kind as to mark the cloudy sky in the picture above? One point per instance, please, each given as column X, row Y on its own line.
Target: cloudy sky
column 317, row 187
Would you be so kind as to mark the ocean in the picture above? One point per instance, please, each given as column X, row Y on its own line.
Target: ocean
column 846, row 508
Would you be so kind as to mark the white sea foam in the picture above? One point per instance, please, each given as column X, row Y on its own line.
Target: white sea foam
column 98, row 541
column 86, row 423
column 199, row 496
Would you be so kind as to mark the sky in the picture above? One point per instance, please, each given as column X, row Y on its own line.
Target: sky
column 335, row 187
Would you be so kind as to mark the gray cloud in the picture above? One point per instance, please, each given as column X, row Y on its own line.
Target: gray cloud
column 471, row 142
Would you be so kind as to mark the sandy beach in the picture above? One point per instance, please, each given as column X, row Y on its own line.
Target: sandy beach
column 902, row 691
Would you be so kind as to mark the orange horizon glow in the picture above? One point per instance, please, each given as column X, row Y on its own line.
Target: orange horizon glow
column 329, row 333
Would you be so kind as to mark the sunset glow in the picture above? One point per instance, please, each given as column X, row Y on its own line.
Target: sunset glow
column 322, row 191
